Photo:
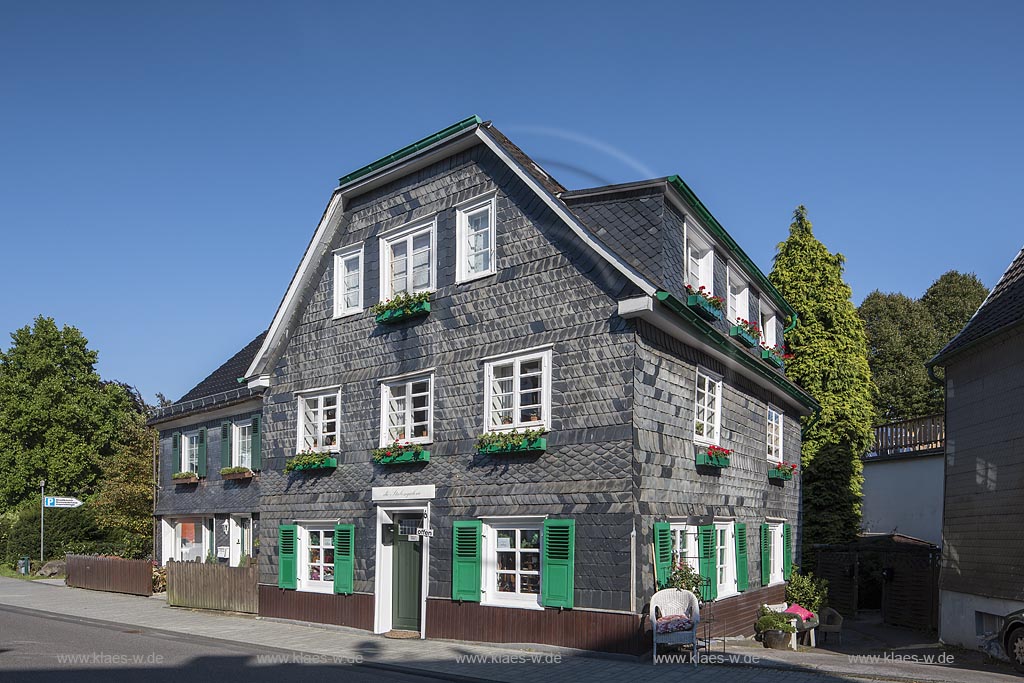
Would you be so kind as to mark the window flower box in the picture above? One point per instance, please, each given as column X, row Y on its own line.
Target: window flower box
column 398, row 453
column 783, row 471
column 184, row 478
column 703, row 304
column 530, row 441
column 401, row 307
column 746, row 332
column 772, row 357
column 236, row 473
column 713, row 456
column 310, row 460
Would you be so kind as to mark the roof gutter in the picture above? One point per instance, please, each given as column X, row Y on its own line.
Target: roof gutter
column 641, row 307
column 714, row 226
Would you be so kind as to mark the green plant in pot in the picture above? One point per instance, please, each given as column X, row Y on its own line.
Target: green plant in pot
column 686, row 578
column 774, row 629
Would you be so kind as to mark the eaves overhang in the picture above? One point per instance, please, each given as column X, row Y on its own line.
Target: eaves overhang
column 667, row 313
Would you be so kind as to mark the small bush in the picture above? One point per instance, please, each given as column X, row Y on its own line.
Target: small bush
column 774, row 621
column 808, row 591
column 684, row 577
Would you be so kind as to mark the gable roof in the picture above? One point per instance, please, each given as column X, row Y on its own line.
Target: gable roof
column 1002, row 308
column 221, row 387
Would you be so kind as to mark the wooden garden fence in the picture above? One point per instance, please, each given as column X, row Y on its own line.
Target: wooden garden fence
column 212, row 586
column 112, row 574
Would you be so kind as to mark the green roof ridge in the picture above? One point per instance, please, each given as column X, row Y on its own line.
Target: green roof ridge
column 683, row 189
column 410, row 149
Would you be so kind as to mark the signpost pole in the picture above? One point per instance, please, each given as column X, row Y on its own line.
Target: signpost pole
column 42, row 515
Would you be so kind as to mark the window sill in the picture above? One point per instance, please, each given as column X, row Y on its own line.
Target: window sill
column 731, row 594
column 539, row 424
column 328, row 589
column 347, row 314
column 533, row 605
column 474, row 278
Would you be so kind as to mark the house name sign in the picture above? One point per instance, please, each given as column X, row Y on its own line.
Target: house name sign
column 387, row 493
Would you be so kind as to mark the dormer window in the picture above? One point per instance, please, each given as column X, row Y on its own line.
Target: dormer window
column 767, row 323
column 739, row 299
column 699, row 261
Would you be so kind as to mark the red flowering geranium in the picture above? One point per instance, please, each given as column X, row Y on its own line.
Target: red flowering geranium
column 715, row 301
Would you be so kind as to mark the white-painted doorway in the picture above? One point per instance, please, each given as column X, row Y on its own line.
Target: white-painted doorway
column 239, row 538
column 384, row 562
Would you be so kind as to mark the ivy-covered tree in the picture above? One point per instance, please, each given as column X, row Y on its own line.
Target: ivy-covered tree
column 58, row 420
column 901, row 338
column 829, row 359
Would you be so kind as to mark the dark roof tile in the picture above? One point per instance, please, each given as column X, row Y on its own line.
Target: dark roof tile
column 225, row 378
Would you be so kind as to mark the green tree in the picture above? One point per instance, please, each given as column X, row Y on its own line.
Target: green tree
column 901, row 338
column 829, row 359
column 952, row 300
column 58, row 420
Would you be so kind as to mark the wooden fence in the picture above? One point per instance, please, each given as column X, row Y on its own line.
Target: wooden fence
column 212, row 586
column 112, row 574
column 916, row 436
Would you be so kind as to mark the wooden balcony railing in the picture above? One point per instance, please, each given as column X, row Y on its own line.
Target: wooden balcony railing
column 917, row 436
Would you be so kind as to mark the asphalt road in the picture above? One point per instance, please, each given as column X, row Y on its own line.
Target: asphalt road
column 41, row 648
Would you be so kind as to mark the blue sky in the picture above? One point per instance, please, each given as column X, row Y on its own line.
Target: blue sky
column 162, row 167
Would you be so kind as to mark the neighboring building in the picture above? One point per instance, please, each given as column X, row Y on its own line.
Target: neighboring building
column 214, row 427
column 565, row 311
column 982, row 576
column 903, row 480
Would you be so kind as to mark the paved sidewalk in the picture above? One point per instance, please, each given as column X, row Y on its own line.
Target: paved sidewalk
column 462, row 661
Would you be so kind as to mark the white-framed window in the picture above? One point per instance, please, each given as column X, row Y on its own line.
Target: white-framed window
column 707, row 408
column 684, row 545
column 475, row 225
column 318, row 423
column 767, row 323
column 699, row 261
column 739, row 297
column 192, row 539
column 511, row 562
column 241, row 446
column 776, row 540
column 407, row 410
column 407, row 260
column 316, row 558
column 725, row 558
column 517, row 392
column 190, row 452
column 774, row 436
column 348, row 281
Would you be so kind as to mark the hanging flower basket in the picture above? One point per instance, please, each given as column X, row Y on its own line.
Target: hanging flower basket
column 713, row 456
column 783, row 471
column 310, row 460
column 401, row 307
column 530, row 441
column 398, row 453
column 184, row 478
column 704, row 304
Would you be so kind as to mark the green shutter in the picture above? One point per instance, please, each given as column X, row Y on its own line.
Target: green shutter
column 287, row 556
column 707, row 550
column 225, row 444
column 344, row 557
column 257, row 445
column 766, row 554
column 557, row 563
column 787, row 551
column 202, row 453
column 176, row 452
column 466, row 560
column 742, row 578
column 662, row 554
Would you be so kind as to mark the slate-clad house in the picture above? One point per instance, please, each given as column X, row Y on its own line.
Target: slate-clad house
column 207, row 500
column 565, row 312
column 982, row 573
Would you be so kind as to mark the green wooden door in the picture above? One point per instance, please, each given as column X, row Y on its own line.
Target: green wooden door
column 406, row 579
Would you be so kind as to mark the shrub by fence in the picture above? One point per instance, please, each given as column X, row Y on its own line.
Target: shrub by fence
column 212, row 586
column 112, row 574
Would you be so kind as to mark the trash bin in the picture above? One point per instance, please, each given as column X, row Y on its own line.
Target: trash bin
column 24, row 565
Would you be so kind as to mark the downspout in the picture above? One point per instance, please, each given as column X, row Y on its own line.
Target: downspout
column 931, row 375
column 792, row 323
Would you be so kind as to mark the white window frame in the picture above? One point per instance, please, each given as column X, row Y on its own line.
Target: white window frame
column 300, row 421
column 463, row 212
column 775, row 431
column 776, row 547
column 207, row 526
column 489, row 565
column 695, row 241
column 683, row 532
column 517, row 360
column 236, row 443
column 185, row 461
column 340, row 257
column 725, row 558
column 767, row 324
column 302, row 565
column 385, row 395
column 407, row 233
column 716, row 380
column 738, row 306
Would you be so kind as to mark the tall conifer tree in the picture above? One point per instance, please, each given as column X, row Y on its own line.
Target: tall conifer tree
column 829, row 360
